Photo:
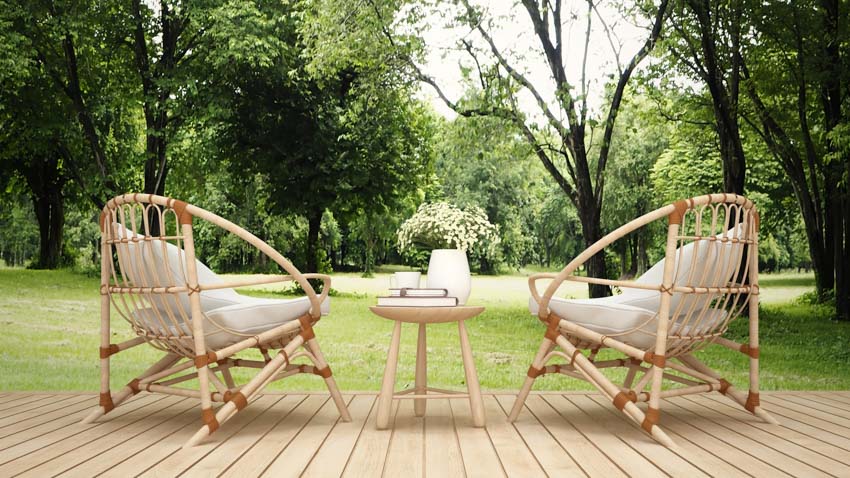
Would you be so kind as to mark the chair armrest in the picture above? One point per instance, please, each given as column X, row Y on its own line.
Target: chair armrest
column 326, row 284
column 567, row 272
column 532, row 283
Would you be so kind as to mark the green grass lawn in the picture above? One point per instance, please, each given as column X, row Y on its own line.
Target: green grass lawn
column 50, row 322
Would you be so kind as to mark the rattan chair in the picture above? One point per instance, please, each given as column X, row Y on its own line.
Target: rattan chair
column 151, row 279
column 709, row 276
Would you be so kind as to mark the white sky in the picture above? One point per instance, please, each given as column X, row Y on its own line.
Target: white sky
column 515, row 37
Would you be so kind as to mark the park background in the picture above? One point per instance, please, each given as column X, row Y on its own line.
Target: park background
column 323, row 125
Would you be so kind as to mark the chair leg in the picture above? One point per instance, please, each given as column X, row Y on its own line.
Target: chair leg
column 734, row 394
column 246, row 393
column 545, row 347
column 127, row 391
column 313, row 347
column 621, row 402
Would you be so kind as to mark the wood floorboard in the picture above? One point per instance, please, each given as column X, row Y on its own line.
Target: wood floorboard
column 301, row 434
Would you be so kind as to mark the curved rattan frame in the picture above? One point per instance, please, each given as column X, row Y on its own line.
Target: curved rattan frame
column 725, row 295
column 136, row 277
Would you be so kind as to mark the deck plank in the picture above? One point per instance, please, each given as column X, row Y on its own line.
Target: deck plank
column 334, row 453
column 679, row 463
column 819, row 454
column 731, row 434
column 141, row 445
column 406, row 454
column 480, row 459
column 569, row 434
column 24, row 405
column 549, row 453
column 270, row 446
column 612, row 446
column 34, row 452
column 184, row 458
column 370, row 451
column 37, row 416
column 67, row 437
column 442, row 449
column 815, row 404
column 40, row 424
column 745, row 426
column 293, row 460
column 219, row 459
column 124, row 435
column 592, row 461
column 516, row 458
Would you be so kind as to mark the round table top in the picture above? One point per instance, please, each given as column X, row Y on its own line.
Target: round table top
column 428, row 315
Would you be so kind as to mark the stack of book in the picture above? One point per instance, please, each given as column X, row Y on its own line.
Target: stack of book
column 409, row 297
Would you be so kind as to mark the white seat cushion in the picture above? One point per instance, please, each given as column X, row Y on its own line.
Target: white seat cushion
column 607, row 316
column 233, row 323
column 610, row 316
column 244, row 316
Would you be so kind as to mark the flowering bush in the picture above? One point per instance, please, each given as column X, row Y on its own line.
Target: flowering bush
column 445, row 226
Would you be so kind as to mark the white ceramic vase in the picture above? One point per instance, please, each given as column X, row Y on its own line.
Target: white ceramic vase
column 448, row 269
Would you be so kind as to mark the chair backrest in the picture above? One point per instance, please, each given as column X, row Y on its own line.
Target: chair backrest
column 716, row 267
column 711, row 257
column 150, row 273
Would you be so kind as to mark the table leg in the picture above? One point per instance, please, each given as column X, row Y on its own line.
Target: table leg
column 421, row 373
column 385, row 400
column 475, row 402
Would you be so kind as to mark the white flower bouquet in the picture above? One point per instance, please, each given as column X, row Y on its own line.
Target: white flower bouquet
column 442, row 225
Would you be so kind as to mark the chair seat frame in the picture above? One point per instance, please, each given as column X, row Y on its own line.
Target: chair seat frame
column 671, row 359
column 187, row 354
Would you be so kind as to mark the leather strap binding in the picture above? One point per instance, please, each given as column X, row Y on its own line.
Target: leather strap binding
column 552, row 330
column 752, row 401
column 724, row 386
column 208, row 417
column 658, row 360
column 106, row 402
column 650, row 419
column 306, row 327
column 206, row 359
column 239, row 400
column 620, row 400
column 105, row 352
column 753, row 352
column 678, row 213
column 323, row 372
column 134, row 386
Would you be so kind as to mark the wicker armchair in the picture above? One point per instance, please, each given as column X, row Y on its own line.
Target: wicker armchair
column 151, row 279
column 709, row 276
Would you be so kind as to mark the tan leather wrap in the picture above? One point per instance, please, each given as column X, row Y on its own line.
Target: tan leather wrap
column 651, row 418
column 106, row 402
column 679, row 208
column 105, row 352
column 208, row 417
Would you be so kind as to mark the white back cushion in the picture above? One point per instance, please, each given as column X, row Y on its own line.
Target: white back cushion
column 160, row 264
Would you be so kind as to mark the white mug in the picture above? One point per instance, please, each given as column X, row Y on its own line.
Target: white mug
column 402, row 280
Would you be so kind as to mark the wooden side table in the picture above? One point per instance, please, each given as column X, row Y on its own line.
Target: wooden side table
column 420, row 392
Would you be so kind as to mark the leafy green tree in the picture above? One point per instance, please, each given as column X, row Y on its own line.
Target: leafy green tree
column 345, row 140
column 483, row 162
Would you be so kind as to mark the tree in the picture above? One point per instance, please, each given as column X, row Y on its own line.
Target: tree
column 800, row 59
column 344, row 139
column 483, row 162
column 562, row 143
column 707, row 44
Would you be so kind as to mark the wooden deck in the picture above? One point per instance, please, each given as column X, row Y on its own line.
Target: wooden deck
column 572, row 434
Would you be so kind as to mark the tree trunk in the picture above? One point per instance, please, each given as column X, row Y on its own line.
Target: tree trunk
column 46, row 181
column 50, row 215
column 315, row 223
column 591, row 231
